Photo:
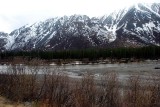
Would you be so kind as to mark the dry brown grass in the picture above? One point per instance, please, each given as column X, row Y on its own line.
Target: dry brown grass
column 58, row 90
column 6, row 103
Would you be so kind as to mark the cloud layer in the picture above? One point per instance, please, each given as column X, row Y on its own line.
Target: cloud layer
column 16, row 13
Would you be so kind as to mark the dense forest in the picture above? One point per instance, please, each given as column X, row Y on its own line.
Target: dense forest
column 149, row 52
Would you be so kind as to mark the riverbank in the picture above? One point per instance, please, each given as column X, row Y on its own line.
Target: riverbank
column 83, row 61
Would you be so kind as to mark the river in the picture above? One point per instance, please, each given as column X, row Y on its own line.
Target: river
column 123, row 70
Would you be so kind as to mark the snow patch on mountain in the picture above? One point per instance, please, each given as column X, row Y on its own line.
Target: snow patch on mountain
column 138, row 23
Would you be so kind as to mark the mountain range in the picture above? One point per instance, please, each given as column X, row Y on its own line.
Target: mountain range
column 135, row 26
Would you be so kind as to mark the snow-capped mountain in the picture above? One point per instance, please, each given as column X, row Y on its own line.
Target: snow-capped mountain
column 137, row 25
column 3, row 40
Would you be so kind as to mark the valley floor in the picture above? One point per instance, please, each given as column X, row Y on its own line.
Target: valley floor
column 135, row 84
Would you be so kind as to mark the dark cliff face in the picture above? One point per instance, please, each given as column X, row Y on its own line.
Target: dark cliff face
column 138, row 25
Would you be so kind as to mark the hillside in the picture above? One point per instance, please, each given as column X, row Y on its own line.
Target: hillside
column 138, row 25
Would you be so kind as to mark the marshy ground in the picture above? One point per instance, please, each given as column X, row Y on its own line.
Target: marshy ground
column 135, row 84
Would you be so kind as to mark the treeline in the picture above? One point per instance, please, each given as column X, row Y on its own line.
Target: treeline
column 151, row 52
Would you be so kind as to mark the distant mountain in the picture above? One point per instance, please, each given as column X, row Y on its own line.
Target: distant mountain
column 138, row 25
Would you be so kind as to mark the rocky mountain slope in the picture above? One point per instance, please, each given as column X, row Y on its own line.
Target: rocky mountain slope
column 138, row 25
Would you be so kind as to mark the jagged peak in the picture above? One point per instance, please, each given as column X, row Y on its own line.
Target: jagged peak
column 3, row 33
column 67, row 31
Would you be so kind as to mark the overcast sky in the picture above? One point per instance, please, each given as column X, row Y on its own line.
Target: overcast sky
column 16, row 13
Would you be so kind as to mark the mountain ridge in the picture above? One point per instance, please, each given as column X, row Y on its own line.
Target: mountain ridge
column 138, row 25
